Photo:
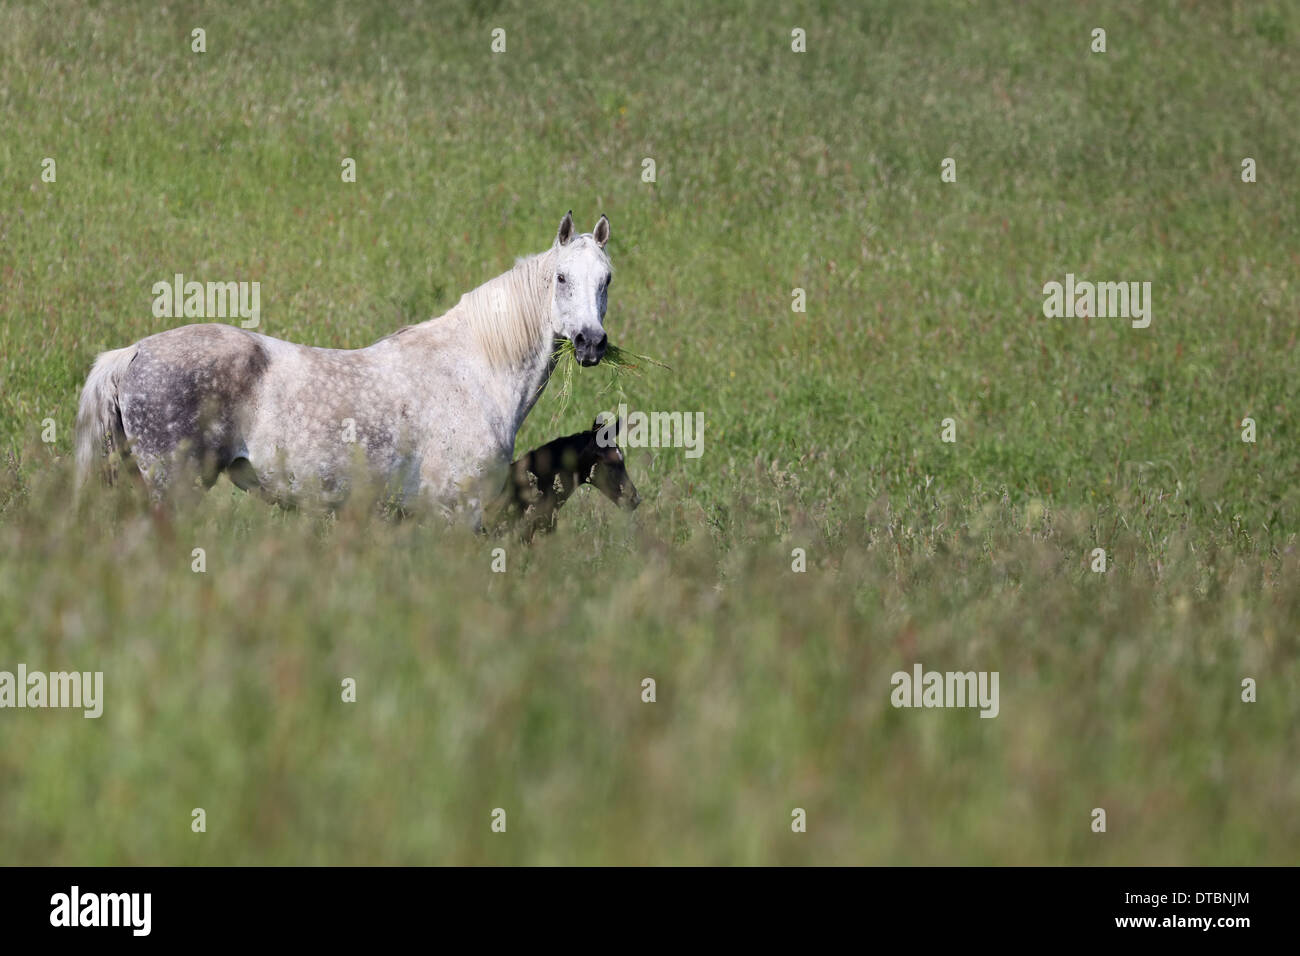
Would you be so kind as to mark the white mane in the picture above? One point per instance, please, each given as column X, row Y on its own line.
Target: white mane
column 506, row 316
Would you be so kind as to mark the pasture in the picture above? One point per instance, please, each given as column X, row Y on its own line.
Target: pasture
column 823, row 431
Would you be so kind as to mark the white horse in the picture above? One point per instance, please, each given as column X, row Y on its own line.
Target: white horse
column 429, row 413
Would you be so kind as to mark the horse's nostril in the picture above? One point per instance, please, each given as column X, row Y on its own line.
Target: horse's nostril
column 604, row 338
column 580, row 340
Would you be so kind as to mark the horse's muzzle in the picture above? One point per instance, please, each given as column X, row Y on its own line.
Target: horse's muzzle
column 590, row 349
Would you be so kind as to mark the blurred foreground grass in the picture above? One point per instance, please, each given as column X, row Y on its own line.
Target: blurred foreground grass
column 522, row 689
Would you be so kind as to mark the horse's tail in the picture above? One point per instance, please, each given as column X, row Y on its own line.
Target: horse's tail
column 99, row 416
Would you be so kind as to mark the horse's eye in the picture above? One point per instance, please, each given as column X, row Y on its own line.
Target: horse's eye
column 559, row 277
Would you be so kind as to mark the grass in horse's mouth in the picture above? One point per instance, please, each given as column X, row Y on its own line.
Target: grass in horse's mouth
column 620, row 361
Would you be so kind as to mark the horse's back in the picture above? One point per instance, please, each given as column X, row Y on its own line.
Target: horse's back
column 210, row 344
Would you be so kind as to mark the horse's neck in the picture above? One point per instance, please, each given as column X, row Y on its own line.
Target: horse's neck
column 536, row 375
column 506, row 324
column 510, row 321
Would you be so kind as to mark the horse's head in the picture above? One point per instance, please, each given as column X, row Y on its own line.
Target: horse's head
column 582, row 276
column 609, row 471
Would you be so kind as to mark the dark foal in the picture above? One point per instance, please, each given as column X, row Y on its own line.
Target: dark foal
column 542, row 480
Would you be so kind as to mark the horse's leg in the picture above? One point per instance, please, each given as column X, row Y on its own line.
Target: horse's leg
column 152, row 473
column 469, row 512
column 178, row 475
column 155, row 473
column 240, row 472
column 244, row 476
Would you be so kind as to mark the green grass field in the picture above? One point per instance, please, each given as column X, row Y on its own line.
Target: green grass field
column 775, row 170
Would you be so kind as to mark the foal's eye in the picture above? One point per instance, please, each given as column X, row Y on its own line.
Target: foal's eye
column 559, row 277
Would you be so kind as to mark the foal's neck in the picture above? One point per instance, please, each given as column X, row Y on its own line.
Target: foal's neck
column 568, row 458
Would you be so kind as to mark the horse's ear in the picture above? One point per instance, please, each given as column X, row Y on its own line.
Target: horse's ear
column 565, row 232
column 601, row 232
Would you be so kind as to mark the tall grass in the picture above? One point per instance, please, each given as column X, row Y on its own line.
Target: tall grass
column 775, row 171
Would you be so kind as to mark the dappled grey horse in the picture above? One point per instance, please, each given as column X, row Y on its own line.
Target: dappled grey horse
column 429, row 413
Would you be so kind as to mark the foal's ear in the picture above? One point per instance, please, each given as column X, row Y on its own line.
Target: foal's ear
column 601, row 232
column 566, row 229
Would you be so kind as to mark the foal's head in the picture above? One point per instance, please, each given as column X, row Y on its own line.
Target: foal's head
column 547, row 476
column 582, row 275
column 608, row 469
